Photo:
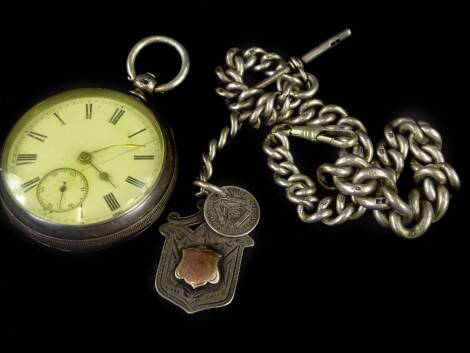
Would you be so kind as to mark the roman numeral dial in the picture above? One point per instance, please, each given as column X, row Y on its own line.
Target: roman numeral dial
column 144, row 157
column 135, row 182
column 30, row 184
column 111, row 201
column 85, row 158
column 88, row 110
column 117, row 115
column 37, row 136
column 58, row 117
column 26, row 158
column 137, row 132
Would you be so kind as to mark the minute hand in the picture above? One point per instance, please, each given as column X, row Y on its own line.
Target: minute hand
column 123, row 145
column 118, row 155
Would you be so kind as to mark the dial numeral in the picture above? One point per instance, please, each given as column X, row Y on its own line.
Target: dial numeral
column 144, row 157
column 136, row 133
column 30, row 184
column 135, row 182
column 110, row 199
column 59, row 118
column 37, row 136
column 117, row 115
column 88, row 111
column 26, row 158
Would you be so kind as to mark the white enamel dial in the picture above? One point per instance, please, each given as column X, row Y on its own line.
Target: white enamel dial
column 81, row 158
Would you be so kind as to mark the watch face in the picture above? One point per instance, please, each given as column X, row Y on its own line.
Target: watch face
column 83, row 157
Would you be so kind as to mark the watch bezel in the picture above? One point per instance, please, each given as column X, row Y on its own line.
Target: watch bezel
column 101, row 234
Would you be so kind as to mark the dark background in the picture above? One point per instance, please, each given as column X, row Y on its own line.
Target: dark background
column 307, row 279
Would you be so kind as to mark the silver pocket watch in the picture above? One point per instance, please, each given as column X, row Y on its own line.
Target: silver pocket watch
column 88, row 168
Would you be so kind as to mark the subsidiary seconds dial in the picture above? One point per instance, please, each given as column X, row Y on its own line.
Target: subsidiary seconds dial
column 62, row 190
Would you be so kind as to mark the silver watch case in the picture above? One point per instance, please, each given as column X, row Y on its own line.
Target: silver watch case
column 103, row 234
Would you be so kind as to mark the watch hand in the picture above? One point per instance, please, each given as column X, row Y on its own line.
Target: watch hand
column 85, row 157
column 123, row 145
column 62, row 190
column 114, row 157
column 103, row 175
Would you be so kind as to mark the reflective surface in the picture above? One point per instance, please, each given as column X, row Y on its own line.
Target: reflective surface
column 83, row 157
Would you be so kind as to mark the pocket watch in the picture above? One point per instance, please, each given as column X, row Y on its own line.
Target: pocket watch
column 88, row 168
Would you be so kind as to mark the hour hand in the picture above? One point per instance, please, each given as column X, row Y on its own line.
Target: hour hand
column 86, row 157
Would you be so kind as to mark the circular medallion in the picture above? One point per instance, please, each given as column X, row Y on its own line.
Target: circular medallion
column 233, row 215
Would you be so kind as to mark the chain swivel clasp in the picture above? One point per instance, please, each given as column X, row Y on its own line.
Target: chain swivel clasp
column 334, row 135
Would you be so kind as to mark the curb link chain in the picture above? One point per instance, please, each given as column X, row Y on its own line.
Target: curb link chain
column 356, row 181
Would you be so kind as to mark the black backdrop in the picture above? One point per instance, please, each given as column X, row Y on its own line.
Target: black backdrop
column 298, row 277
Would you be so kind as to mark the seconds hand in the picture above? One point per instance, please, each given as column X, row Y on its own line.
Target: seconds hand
column 62, row 190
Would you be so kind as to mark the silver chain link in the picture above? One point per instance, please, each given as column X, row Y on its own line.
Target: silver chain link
column 356, row 181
